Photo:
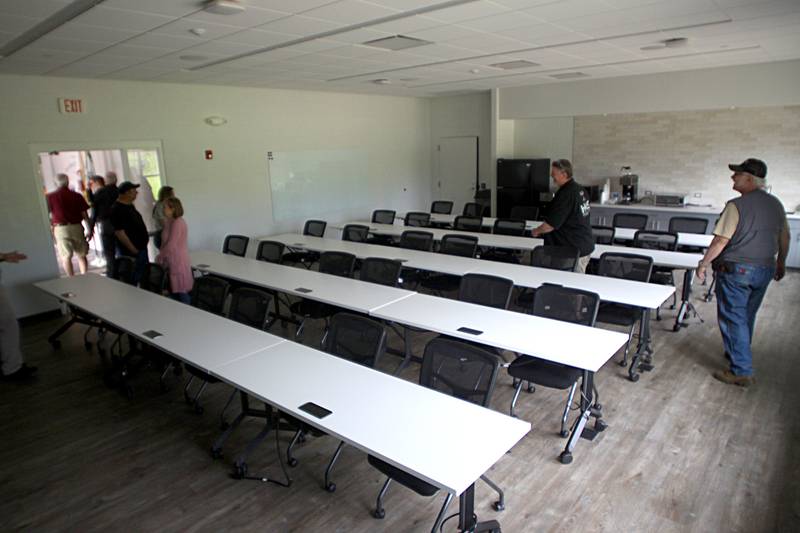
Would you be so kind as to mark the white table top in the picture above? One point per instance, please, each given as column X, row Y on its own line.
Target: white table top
column 561, row 342
column 484, row 239
column 686, row 210
column 684, row 239
column 427, row 433
column 347, row 293
column 200, row 338
column 646, row 295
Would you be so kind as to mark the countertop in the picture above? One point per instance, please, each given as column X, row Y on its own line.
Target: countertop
column 687, row 209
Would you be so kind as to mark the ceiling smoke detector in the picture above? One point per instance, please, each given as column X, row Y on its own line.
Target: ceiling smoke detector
column 223, row 7
column 396, row 42
column 675, row 42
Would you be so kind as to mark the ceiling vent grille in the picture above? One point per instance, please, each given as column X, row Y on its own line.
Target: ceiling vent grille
column 511, row 65
column 397, row 42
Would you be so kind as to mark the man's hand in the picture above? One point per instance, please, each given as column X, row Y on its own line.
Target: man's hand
column 780, row 270
column 702, row 266
column 14, row 257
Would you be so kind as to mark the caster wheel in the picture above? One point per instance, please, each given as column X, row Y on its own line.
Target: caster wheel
column 239, row 471
column 530, row 389
column 292, row 462
column 598, row 406
column 499, row 506
column 55, row 344
column 301, row 438
column 564, row 434
column 216, row 454
column 514, row 383
column 634, row 377
column 380, row 514
column 565, row 458
column 676, row 327
column 622, row 363
column 332, row 488
column 599, row 425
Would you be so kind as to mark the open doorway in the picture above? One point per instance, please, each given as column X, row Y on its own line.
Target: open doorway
column 139, row 165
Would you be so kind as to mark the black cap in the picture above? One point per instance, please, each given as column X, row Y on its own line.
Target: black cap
column 125, row 186
column 756, row 167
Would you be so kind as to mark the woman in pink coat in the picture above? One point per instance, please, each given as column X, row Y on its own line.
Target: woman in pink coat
column 174, row 252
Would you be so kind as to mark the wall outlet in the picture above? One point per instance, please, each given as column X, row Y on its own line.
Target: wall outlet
column 648, row 193
column 698, row 195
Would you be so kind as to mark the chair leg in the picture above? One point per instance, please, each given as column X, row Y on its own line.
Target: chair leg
column 379, row 511
column 299, row 332
column 329, row 485
column 442, row 512
column 624, row 361
column 514, row 399
column 186, row 395
column 222, row 422
column 163, row 379
column 565, row 416
column 196, row 400
column 500, row 504
column 290, row 459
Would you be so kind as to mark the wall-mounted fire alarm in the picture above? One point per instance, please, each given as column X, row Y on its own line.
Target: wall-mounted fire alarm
column 209, row 155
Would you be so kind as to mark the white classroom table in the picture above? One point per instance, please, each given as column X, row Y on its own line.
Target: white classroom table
column 684, row 239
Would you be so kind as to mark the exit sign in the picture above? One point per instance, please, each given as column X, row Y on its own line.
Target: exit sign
column 71, row 106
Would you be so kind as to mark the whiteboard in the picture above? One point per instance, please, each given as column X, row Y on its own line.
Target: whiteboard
column 310, row 183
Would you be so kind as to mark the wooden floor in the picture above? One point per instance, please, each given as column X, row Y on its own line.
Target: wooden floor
column 683, row 452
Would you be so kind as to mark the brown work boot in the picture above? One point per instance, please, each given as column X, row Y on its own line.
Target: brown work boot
column 726, row 376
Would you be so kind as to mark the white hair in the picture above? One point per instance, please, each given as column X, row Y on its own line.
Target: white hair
column 111, row 177
column 761, row 183
column 62, row 180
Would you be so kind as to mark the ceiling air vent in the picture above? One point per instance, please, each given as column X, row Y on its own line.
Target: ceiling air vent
column 519, row 63
column 569, row 75
column 396, row 42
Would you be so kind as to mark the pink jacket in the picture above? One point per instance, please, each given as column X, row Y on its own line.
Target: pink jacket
column 174, row 254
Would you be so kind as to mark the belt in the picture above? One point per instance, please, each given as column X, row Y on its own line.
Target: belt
column 68, row 224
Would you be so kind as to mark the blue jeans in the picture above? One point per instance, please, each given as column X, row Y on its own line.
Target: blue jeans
column 739, row 295
column 183, row 297
column 141, row 262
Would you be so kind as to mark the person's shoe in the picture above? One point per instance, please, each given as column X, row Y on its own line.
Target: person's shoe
column 726, row 376
column 25, row 372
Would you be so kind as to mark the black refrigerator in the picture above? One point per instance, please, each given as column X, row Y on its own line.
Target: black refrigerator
column 520, row 182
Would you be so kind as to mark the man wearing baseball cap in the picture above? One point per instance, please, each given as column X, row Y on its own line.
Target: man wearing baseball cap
column 129, row 228
column 751, row 241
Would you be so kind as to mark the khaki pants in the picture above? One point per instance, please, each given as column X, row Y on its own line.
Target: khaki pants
column 582, row 263
column 70, row 239
column 10, row 354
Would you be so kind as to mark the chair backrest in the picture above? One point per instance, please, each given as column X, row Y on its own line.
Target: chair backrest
column 356, row 338
column 555, row 257
column 468, row 223
column 417, row 240
column 250, row 307
column 418, row 219
column 381, row 270
column 355, row 233
column 507, row 226
column 524, row 212
column 472, row 209
column 688, row 225
column 461, row 245
column 154, row 278
column 629, row 220
column 235, row 245
column 209, row 294
column 383, row 216
column 566, row 304
column 625, row 266
column 483, row 289
column 442, row 207
column 337, row 263
column 460, row 369
column 123, row 269
column 270, row 251
column 315, row 228
column 603, row 234
column 656, row 240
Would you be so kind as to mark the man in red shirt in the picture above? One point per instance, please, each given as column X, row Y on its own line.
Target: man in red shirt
column 67, row 210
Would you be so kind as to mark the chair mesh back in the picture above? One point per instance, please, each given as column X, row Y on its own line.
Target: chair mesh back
column 123, row 269
column 235, row 245
column 356, row 338
column 442, row 207
column 315, row 228
column 566, row 304
column 461, row 245
column 417, row 240
column 625, row 266
column 337, row 263
column 270, row 251
column 472, row 209
column 383, row 216
column 688, row 225
column 355, row 233
column 468, row 223
column 505, row 226
column 603, row 235
column 381, row 270
column 524, row 212
column 656, row 240
column 555, row 257
column 482, row 289
column 630, row 220
column 209, row 294
column 154, row 278
column 417, row 219
column 250, row 307
column 459, row 369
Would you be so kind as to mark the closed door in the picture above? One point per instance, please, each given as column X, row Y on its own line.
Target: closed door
column 457, row 171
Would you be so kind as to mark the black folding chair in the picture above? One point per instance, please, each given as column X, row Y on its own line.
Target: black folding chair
column 417, row 219
column 381, row 270
column 664, row 241
column 688, row 225
column 505, row 226
column 154, row 278
column 442, row 207
column 468, row 223
column 334, row 263
column 270, row 252
column 312, row 228
column 355, row 233
column 524, row 212
column 382, row 216
column 451, row 244
column 553, row 257
column 603, row 235
column 235, row 245
column 472, row 209
column 415, row 240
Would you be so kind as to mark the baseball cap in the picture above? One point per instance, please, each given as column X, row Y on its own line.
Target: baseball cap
column 125, row 186
column 756, row 167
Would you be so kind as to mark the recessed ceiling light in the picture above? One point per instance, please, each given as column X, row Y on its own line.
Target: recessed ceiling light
column 382, row 81
column 396, row 42
column 198, row 31
column 193, row 57
column 675, row 42
column 223, row 7
column 519, row 63
column 475, row 71
column 569, row 75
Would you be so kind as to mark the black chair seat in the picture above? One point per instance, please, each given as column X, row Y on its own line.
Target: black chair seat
column 423, row 488
column 545, row 373
column 301, row 257
column 617, row 314
column 442, row 283
column 202, row 374
column 661, row 277
column 312, row 309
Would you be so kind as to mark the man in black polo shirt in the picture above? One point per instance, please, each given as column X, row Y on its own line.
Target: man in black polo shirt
column 566, row 221
column 129, row 228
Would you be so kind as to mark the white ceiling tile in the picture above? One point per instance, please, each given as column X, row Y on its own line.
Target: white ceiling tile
column 39, row 9
column 47, row 55
column 468, row 11
column 12, row 66
column 164, row 41
column 488, row 43
column 69, row 45
column 407, row 24
column 223, row 48
column 112, row 18
column 141, row 52
column 82, row 69
column 360, row 36
column 501, row 21
column 16, row 24
column 251, row 17
column 403, row 5
column 348, row 12
column 762, row 9
column 259, row 38
column 173, row 8
column 356, row 50
column 568, row 9
column 446, row 33
column 181, row 28
column 288, row 6
column 73, row 30
column 299, row 25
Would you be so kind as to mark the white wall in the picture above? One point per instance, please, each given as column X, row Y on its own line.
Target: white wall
column 505, row 139
column 228, row 194
column 764, row 84
column 549, row 137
